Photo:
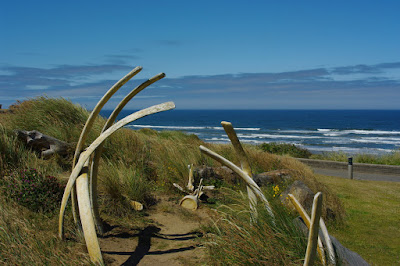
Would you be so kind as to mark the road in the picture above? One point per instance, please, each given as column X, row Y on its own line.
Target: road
column 357, row 175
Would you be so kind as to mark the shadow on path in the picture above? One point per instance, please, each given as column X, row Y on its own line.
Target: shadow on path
column 144, row 243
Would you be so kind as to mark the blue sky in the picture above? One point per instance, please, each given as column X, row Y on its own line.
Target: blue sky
column 216, row 54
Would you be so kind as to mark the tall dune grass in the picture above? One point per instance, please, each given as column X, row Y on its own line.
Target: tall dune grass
column 28, row 238
column 234, row 240
column 136, row 164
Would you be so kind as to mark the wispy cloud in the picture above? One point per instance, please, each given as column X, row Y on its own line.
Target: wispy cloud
column 359, row 86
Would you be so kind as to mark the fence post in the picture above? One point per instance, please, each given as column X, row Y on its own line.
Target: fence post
column 350, row 167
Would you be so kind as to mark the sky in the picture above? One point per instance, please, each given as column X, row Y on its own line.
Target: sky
column 215, row 54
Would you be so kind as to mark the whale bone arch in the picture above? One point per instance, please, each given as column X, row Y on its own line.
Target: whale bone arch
column 81, row 186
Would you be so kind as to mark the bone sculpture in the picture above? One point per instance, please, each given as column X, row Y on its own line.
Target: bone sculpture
column 191, row 201
column 327, row 240
column 313, row 232
column 84, row 195
column 253, row 189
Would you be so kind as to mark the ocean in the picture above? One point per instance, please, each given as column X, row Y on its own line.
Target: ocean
column 348, row 131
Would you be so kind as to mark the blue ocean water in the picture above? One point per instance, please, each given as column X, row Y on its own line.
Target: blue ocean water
column 350, row 131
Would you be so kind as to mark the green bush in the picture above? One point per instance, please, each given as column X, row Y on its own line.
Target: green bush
column 285, row 149
column 32, row 190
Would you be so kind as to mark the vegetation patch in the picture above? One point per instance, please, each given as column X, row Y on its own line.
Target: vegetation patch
column 371, row 227
column 141, row 165
column 392, row 158
column 240, row 238
column 285, row 149
column 32, row 190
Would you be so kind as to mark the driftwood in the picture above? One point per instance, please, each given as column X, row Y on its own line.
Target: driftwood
column 44, row 144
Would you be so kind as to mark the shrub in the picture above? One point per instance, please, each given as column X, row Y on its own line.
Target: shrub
column 285, row 149
column 34, row 191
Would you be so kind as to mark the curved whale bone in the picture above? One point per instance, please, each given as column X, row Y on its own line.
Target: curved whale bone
column 85, row 212
column 326, row 238
column 249, row 181
column 244, row 162
column 89, row 124
column 312, row 242
column 85, row 156
column 94, row 166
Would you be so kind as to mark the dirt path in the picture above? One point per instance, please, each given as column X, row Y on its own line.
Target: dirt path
column 172, row 238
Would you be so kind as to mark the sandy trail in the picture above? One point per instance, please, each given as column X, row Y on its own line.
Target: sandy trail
column 172, row 238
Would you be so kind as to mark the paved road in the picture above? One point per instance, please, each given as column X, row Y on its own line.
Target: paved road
column 357, row 175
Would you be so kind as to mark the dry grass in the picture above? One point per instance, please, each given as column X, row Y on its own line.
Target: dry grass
column 28, row 238
column 234, row 240
column 137, row 163
column 373, row 216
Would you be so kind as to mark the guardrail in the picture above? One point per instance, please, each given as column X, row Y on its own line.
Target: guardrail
column 357, row 167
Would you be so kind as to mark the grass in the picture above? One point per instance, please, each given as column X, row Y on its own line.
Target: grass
column 371, row 226
column 29, row 238
column 285, row 149
column 292, row 150
column 392, row 158
column 137, row 165
column 234, row 240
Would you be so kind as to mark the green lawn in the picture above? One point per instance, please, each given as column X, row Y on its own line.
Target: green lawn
column 372, row 224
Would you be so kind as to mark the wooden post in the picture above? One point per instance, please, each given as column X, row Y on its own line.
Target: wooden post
column 350, row 167
column 313, row 232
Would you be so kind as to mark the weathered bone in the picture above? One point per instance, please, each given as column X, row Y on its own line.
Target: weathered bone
column 137, row 206
column 313, row 232
column 180, row 188
column 192, row 201
column 97, row 155
column 307, row 221
column 190, row 181
column 95, row 144
column 230, row 131
column 250, row 182
column 328, row 243
column 85, row 212
column 88, row 125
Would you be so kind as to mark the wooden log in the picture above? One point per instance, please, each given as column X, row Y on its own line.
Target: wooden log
column 44, row 144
